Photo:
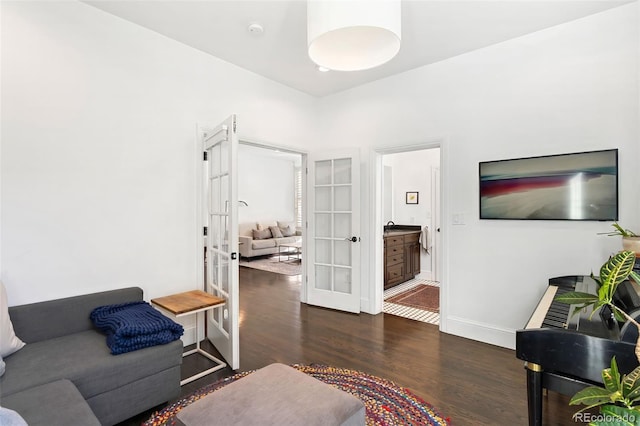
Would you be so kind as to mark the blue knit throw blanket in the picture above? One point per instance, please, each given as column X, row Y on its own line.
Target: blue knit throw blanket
column 135, row 325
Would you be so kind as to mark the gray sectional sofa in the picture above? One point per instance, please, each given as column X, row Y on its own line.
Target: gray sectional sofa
column 66, row 375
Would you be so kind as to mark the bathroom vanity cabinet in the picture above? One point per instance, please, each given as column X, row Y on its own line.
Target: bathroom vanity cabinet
column 401, row 255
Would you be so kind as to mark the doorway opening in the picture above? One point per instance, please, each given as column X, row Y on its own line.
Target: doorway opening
column 271, row 185
column 408, row 212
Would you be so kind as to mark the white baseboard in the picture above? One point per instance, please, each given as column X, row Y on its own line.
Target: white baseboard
column 485, row 333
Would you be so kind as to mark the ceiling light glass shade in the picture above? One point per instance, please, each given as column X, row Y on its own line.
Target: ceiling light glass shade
column 352, row 35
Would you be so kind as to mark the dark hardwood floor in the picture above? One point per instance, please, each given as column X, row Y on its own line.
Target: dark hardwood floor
column 471, row 382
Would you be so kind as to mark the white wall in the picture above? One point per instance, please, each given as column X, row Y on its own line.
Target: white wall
column 266, row 183
column 99, row 153
column 99, row 150
column 411, row 171
column 569, row 88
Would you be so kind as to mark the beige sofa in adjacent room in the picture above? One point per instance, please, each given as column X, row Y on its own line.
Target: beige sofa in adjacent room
column 265, row 237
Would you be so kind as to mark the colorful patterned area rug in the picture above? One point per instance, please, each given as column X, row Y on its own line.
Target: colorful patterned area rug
column 385, row 402
column 425, row 297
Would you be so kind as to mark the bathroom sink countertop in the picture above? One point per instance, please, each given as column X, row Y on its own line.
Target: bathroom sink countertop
column 401, row 229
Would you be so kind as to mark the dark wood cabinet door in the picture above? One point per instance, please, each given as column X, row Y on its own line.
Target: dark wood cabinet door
column 412, row 259
column 414, row 254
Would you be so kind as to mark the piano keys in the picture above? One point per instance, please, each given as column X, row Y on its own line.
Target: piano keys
column 539, row 315
column 565, row 353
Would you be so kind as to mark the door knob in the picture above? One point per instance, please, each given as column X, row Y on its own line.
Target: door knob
column 352, row 239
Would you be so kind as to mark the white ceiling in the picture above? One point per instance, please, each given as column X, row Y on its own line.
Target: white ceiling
column 432, row 30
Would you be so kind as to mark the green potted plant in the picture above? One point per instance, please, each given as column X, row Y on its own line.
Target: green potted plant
column 630, row 239
column 619, row 398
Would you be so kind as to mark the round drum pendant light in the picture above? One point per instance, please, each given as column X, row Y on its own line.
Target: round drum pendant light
column 352, row 35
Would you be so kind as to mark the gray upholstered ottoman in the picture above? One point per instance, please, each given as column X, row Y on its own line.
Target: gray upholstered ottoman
column 275, row 395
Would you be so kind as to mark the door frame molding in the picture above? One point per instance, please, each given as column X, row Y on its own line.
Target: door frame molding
column 436, row 199
column 376, row 251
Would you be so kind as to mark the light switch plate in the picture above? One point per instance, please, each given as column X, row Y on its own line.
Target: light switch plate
column 458, row 219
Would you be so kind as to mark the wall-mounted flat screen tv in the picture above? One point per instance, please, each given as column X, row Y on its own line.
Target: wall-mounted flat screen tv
column 577, row 186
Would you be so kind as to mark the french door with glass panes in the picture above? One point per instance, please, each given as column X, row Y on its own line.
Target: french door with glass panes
column 333, row 258
column 221, row 221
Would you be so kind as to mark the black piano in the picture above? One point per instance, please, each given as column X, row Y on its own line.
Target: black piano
column 566, row 353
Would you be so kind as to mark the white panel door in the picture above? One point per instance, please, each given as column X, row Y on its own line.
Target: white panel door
column 221, row 221
column 333, row 279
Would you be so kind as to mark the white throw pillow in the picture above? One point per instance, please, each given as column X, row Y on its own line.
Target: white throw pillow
column 9, row 342
column 287, row 232
column 282, row 224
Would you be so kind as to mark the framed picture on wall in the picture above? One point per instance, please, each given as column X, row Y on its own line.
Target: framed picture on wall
column 412, row 198
column 573, row 186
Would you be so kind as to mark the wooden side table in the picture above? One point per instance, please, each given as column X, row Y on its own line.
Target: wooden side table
column 192, row 303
